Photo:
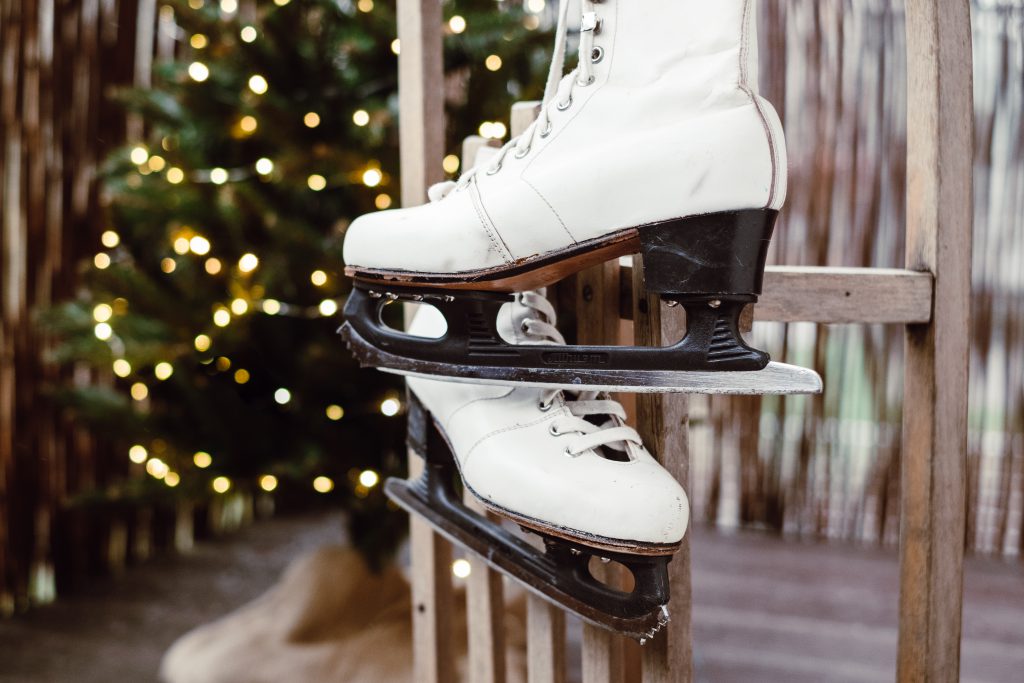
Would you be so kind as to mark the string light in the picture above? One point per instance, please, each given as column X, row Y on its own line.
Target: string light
column 382, row 201
column 368, row 478
column 248, row 34
column 281, row 3
column 102, row 313
column 229, row 6
column 248, row 124
column 282, row 396
column 221, row 317
column 365, row 5
column 461, row 568
column 139, row 391
column 268, row 482
column 372, row 177
column 181, row 245
column 239, row 306
column 323, row 484
column 202, row 343
column 493, row 129
column 139, row 155
column 316, row 182
column 199, row 245
column 264, row 166
column 389, row 407
column 311, row 119
column 223, row 363
column 218, row 176
column 360, row 117
column 122, row 368
column 175, row 175
column 248, row 263
column 138, row 454
column 493, row 62
column 198, row 41
column 172, row 479
column 157, row 468
column 156, row 163
column 535, row 6
column 241, row 375
column 202, row 459
column 103, row 331
column 396, row 46
column 101, row 261
column 168, row 265
column 198, row 71
column 318, row 278
column 213, row 265
column 221, row 484
column 163, row 370
column 328, row 307
column 258, row 84
column 457, row 24
column 450, row 164
column 271, row 307
column 335, row 412
column 110, row 239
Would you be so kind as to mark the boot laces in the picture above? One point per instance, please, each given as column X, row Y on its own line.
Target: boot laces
column 558, row 91
column 597, row 420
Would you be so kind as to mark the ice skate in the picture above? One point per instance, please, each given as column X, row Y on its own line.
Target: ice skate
column 656, row 143
column 564, row 466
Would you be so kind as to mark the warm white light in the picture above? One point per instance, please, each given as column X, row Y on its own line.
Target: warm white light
column 264, row 166
column 461, row 568
column 268, row 482
column 202, row 342
column 110, row 239
column 102, row 312
column 139, row 391
column 271, row 306
column 372, row 177
column 493, row 62
column 318, row 278
column 157, row 468
column 248, row 124
column 218, row 176
column 221, row 317
column 258, row 84
column 199, row 245
column 396, row 46
column 168, row 265
column 229, row 6
column 172, row 479
column 248, row 34
column 457, row 24
column 360, row 117
column 103, row 331
column 198, row 71
column 390, row 407
column 156, row 163
column 365, row 5
column 450, row 164
column 368, row 478
column 248, row 263
column 335, row 412
column 138, row 454
column 122, row 368
column 101, row 261
column 535, row 6
column 316, row 182
column 241, row 375
column 328, row 307
column 282, row 396
column 175, row 175
column 181, row 245
column 139, row 155
column 323, row 484
column 163, row 370
column 198, row 41
column 239, row 306
column 212, row 265
column 311, row 119
column 202, row 459
column 221, row 484
column 382, row 201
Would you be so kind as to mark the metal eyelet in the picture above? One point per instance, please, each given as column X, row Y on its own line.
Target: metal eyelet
column 597, row 54
column 547, row 130
column 584, row 84
column 553, row 430
column 525, row 326
column 562, row 106
column 545, row 407
column 569, row 453
column 493, row 169
column 520, row 154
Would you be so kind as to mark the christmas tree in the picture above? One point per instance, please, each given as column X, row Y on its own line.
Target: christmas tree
column 209, row 313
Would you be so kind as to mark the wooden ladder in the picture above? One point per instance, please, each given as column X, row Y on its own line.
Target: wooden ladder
column 930, row 297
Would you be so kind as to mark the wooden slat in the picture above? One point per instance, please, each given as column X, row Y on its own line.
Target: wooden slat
column 421, row 137
column 663, row 422
column 485, row 614
column 838, row 295
column 940, row 133
column 545, row 641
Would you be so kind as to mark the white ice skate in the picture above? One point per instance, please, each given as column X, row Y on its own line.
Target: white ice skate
column 564, row 466
column 658, row 143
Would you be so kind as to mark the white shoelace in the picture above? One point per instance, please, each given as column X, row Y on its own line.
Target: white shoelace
column 612, row 432
column 557, row 93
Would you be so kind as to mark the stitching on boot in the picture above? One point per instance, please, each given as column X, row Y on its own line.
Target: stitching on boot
column 485, row 221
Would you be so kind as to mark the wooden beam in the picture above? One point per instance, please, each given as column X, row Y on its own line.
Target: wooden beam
column 940, row 133
column 485, row 613
column 545, row 641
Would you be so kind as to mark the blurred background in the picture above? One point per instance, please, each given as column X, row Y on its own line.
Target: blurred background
column 179, row 420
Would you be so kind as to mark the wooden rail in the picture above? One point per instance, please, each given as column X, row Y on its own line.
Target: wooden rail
column 930, row 297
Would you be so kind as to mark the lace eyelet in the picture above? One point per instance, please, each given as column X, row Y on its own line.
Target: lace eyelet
column 584, row 84
column 569, row 453
column 525, row 326
column 562, row 106
column 493, row 169
column 545, row 407
column 520, row 154
column 553, row 430
column 547, row 130
column 597, row 54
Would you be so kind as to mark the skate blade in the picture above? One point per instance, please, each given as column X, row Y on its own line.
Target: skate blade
column 521, row 562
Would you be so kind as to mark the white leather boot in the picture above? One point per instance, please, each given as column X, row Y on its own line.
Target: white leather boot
column 659, row 122
column 564, row 465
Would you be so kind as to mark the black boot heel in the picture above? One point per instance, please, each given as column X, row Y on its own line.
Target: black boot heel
column 716, row 254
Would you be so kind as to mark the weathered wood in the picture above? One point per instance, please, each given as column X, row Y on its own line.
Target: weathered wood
column 940, row 134
column 485, row 614
column 545, row 641
column 663, row 422
column 838, row 295
column 421, row 138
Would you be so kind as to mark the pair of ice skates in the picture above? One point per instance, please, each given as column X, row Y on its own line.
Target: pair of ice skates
column 656, row 143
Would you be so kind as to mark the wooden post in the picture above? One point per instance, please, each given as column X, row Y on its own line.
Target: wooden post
column 421, row 114
column 940, row 134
